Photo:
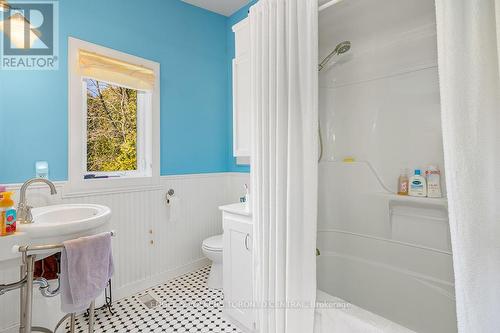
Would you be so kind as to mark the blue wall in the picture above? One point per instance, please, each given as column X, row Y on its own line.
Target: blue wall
column 192, row 46
column 232, row 20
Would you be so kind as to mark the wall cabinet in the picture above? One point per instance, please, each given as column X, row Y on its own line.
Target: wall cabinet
column 241, row 90
column 237, row 267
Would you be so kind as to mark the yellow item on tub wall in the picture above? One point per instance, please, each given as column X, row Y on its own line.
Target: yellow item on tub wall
column 7, row 214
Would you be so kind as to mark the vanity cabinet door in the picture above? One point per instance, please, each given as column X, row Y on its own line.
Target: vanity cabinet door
column 237, row 265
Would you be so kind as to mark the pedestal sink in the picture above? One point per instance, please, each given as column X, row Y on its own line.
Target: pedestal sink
column 53, row 225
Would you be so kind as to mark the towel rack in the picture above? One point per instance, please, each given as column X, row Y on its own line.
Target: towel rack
column 26, row 292
column 29, row 248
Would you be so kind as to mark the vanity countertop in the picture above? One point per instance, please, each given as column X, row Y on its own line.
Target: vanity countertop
column 237, row 208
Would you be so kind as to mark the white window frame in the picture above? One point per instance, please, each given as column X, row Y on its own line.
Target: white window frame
column 148, row 130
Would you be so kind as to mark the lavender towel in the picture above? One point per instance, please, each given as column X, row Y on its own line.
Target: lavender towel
column 86, row 267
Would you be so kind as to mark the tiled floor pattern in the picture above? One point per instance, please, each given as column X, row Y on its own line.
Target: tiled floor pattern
column 185, row 305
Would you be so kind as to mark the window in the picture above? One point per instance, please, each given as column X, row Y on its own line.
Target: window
column 114, row 129
column 114, row 117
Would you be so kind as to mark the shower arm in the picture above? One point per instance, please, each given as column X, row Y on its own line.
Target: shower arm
column 327, row 59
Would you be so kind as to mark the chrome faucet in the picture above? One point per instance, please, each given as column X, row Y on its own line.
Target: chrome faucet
column 23, row 209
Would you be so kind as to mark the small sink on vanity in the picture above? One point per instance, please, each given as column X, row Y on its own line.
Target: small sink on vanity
column 237, row 266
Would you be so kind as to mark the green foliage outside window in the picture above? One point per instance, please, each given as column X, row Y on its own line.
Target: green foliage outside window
column 111, row 127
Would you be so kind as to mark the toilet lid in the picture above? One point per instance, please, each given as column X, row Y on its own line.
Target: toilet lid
column 213, row 243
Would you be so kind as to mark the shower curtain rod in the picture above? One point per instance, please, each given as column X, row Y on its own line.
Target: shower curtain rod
column 328, row 4
column 323, row 6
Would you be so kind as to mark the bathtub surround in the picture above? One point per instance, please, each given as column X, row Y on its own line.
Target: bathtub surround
column 385, row 253
column 470, row 86
column 284, row 111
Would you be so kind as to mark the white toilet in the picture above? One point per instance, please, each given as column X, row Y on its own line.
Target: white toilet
column 212, row 249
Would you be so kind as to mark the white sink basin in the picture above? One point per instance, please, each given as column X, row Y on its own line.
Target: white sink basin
column 54, row 225
column 64, row 220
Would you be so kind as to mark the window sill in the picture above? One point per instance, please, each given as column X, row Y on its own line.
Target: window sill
column 80, row 187
column 114, row 176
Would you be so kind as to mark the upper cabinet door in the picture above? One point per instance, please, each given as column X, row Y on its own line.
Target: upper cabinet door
column 242, row 38
column 241, row 106
column 241, row 90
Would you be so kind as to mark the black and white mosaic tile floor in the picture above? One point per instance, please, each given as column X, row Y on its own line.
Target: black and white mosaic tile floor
column 185, row 304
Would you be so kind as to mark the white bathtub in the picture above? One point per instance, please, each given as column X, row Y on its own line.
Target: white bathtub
column 385, row 253
column 335, row 315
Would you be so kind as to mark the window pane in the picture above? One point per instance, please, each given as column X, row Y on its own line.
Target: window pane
column 111, row 127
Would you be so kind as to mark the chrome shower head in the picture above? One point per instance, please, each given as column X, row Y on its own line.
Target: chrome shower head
column 341, row 48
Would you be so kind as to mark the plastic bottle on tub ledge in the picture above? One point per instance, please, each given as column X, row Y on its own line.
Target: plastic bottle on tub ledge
column 403, row 182
column 433, row 182
column 418, row 185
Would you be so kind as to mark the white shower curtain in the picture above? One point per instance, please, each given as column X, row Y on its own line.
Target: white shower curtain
column 468, row 52
column 284, row 162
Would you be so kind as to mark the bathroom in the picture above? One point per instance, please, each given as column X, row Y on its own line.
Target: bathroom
column 234, row 166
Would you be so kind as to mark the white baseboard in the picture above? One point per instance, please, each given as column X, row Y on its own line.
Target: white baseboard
column 158, row 279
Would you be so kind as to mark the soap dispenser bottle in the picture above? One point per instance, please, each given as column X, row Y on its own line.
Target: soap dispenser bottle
column 7, row 214
column 418, row 185
column 247, row 199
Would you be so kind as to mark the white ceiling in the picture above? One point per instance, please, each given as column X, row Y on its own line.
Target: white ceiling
column 368, row 22
column 224, row 7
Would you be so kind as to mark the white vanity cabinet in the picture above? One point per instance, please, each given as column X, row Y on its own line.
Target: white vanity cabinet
column 237, row 267
column 241, row 90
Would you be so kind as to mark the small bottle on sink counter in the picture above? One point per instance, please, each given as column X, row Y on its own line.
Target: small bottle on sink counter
column 7, row 214
column 247, row 199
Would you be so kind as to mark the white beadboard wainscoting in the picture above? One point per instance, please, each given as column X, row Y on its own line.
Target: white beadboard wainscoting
column 150, row 247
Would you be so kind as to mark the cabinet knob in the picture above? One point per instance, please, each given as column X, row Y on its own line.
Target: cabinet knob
column 151, row 242
column 150, row 231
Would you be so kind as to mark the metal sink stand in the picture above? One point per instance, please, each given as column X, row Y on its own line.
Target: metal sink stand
column 26, row 290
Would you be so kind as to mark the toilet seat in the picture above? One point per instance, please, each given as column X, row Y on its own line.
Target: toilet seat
column 213, row 244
